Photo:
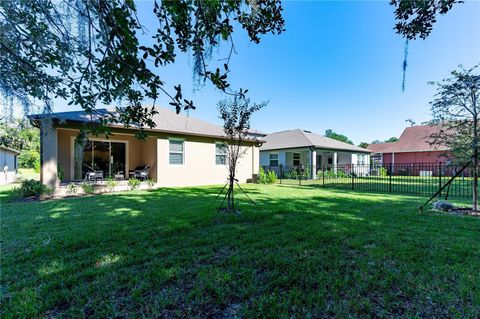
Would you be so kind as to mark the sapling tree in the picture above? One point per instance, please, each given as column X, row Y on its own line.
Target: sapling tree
column 236, row 113
column 456, row 110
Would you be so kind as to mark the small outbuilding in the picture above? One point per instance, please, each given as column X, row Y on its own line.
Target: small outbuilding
column 8, row 164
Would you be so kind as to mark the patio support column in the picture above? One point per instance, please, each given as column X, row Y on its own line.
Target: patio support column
column 335, row 160
column 48, row 154
column 313, row 161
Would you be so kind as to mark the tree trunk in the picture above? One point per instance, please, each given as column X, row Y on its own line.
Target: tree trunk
column 475, row 183
column 475, row 161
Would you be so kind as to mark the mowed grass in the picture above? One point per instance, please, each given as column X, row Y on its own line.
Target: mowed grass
column 301, row 252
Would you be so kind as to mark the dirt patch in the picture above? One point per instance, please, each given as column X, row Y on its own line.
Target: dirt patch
column 465, row 212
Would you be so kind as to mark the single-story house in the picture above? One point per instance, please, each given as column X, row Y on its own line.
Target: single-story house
column 292, row 149
column 9, row 164
column 413, row 147
column 179, row 150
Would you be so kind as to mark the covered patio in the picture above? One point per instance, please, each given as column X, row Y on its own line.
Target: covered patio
column 112, row 158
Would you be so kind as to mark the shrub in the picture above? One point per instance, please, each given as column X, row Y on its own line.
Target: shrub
column 341, row 173
column 306, row 173
column 271, row 177
column 32, row 187
column 111, row 184
column 291, row 174
column 262, row 176
column 382, row 171
column 88, row 188
column 60, row 173
column 150, row 182
column 71, row 189
column 133, row 183
column 29, row 159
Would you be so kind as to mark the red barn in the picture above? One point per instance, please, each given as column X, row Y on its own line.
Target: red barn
column 412, row 147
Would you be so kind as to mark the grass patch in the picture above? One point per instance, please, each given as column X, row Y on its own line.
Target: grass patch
column 302, row 251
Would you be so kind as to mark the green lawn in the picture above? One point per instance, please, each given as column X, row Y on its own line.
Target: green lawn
column 301, row 252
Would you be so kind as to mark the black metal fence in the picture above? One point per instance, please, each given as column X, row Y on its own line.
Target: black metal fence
column 414, row 179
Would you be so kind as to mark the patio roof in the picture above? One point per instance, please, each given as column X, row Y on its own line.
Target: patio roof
column 166, row 121
column 299, row 138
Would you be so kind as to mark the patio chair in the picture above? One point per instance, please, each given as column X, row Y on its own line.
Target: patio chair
column 94, row 175
column 140, row 172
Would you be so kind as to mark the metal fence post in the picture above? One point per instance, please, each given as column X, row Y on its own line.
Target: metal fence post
column 440, row 179
column 390, row 178
column 323, row 176
column 353, row 176
column 299, row 176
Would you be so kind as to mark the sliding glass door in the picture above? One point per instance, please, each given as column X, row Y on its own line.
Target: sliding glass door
column 105, row 156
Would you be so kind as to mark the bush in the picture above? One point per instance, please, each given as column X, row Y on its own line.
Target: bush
column 60, row 173
column 268, row 177
column 306, row 173
column 382, row 171
column 71, row 189
column 262, row 176
column 291, row 174
column 111, row 184
column 341, row 173
column 88, row 188
column 29, row 159
column 32, row 187
column 271, row 177
column 133, row 183
column 150, row 182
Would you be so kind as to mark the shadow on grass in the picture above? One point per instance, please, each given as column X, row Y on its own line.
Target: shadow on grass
column 300, row 251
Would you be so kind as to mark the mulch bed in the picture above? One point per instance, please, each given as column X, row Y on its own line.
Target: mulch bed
column 465, row 211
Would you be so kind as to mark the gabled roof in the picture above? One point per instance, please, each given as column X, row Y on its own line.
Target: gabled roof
column 413, row 139
column 300, row 138
column 166, row 121
column 9, row 149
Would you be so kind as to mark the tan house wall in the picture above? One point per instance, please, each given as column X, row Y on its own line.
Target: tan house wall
column 199, row 166
column 49, row 156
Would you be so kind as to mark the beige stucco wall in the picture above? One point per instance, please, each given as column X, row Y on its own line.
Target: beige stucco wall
column 48, row 138
column 199, row 166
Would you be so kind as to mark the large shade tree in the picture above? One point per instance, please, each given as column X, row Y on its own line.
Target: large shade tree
column 456, row 110
column 89, row 52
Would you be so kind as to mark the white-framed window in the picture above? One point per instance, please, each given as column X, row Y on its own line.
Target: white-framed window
column 220, row 153
column 176, row 153
column 273, row 159
column 296, row 159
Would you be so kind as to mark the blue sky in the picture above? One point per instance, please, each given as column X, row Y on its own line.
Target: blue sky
column 338, row 66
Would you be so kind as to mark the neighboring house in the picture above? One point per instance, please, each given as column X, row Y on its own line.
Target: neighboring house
column 413, row 147
column 180, row 150
column 300, row 148
column 8, row 164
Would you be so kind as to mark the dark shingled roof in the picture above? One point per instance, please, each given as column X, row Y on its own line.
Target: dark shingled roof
column 166, row 121
column 413, row 139
column 300, row 138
